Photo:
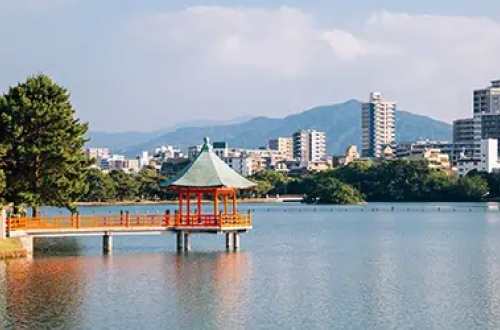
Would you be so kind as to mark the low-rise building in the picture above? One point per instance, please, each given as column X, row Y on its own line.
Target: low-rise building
column 488, row 161
column 435, row 159
column 98, row 153
column 351, row 154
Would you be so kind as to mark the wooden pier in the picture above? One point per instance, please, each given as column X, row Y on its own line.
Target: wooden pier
column 207, row 177
column 107, row 226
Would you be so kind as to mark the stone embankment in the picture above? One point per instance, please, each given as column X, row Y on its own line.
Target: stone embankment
column 11, row 248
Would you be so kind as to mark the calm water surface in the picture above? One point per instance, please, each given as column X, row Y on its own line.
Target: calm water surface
column 301, row 267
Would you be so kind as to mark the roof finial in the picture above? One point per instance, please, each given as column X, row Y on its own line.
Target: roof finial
column 206, row 145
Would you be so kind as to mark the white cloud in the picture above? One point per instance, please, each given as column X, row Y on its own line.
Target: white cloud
column 215, row 61
column 427, row 63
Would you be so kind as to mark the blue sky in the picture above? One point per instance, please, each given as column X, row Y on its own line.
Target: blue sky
column 144, row 65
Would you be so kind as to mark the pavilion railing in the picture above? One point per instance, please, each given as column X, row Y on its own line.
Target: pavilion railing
column 211, row 220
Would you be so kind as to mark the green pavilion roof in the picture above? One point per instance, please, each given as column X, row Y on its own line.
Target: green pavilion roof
column 208, row 170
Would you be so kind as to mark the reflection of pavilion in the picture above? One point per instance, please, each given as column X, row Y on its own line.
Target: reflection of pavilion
column 209, row 177
column 211, row 289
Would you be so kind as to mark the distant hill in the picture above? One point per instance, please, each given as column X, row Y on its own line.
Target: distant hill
column 121, row 141
column 341, row 122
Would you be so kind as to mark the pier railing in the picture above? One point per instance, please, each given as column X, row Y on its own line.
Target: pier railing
column 125, row 220
column 211, row 220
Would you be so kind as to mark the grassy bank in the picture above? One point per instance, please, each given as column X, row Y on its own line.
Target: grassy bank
column 11, row 248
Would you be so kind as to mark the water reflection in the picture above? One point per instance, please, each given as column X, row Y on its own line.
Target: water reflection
column 212, row 289
column 40, row 293
column 322, row 270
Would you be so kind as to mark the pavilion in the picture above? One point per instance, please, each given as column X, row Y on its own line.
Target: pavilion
column 209, row 178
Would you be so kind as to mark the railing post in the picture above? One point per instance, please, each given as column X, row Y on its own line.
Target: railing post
column 77, row 220
column 167, row 218
column 127, row 218
column 121, row 217
column 176, row 221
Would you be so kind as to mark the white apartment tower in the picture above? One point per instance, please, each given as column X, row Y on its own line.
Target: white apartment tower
column 378, row 125
column 284, row 145
column 309, row 145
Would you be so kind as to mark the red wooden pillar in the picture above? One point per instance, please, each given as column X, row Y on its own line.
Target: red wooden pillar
column 188, row 202
column 180, row 206
column 199, row 205
column 234, row 202
column 216, row 206
column 225, row 203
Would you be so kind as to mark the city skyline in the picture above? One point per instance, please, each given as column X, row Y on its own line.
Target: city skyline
column 152, row 65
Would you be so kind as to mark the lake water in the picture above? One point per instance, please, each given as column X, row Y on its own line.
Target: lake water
column 415, row 266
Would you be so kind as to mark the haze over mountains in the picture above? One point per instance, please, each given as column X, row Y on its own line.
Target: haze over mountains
column 341, row 122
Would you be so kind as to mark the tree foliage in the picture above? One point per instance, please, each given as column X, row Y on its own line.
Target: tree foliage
column 44, row 162
column 330, row 190
column 126, row 186
column 387, row 181
column 101, row 187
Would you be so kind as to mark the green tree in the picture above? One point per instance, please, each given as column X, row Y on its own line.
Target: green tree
column 276, row 180
column 149, row 183
column 330, row 190
column 126, row 186
column 44, row 159
column 470, row 189
column 101, row 186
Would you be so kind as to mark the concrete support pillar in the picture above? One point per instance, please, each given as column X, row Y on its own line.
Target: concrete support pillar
column 180, row 240
column 107, row 243
column 229, row 241
column 3, row 224
column 187, row 242
column 236, row 241
column 27, row 243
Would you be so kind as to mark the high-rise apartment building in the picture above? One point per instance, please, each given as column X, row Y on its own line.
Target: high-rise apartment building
column 487, row 100
column 485, row 123
column 378, row 125
column 309, row 145
column 284, row 145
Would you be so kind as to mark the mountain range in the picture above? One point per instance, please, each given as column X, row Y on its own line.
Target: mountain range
column 341, row 122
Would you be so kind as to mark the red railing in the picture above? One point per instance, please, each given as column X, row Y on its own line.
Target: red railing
column 125, row 220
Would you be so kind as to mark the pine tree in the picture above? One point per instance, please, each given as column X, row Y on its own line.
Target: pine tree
column 44, row 162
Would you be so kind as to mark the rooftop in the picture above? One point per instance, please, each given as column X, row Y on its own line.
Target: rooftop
column 208, row 170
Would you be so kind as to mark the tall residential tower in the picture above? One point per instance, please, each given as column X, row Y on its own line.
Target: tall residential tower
column 309, row 145
column 378, row 126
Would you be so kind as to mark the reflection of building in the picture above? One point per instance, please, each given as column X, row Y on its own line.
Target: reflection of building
column 378, row 125
column 309, row 145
